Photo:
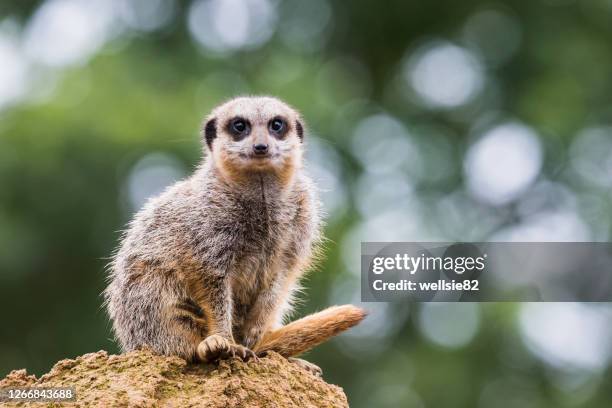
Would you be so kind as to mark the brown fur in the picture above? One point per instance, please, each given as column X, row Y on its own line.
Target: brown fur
column 302, row 335
column 208, row 269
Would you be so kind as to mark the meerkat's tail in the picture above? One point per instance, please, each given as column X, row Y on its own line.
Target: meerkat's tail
column 302, row 335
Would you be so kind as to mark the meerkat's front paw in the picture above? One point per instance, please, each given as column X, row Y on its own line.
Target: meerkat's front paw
column 308, row 366
column 216, row 347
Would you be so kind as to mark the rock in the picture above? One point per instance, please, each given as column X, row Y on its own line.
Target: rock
column 144, row 379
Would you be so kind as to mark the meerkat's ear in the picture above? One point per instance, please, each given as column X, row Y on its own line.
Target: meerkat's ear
column 210, row 131
column 299, row 129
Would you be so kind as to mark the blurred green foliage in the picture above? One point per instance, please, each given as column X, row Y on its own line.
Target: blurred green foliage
column 66, row 155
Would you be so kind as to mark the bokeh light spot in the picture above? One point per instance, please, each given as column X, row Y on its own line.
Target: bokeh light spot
column 568, row 335
column 150, row 176
column 146, row 15
column 591, row 156
column 382, row 144
column 451, row 325
column 65, row 32
column 13, row 73
column 224, row 26
column 444, row 75
column 503, row 163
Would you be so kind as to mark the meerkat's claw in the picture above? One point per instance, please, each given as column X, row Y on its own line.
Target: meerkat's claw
column 308, row 366
column 243, row 352
column 213, row 347
column 216, row 347
column 249, row 354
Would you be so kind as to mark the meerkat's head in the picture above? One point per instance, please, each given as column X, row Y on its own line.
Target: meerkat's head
column 254, row 134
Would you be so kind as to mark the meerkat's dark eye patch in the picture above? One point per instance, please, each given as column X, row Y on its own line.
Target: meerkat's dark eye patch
column 277, row 127
column 210, row 132
column 239, row 128
column 299, row 129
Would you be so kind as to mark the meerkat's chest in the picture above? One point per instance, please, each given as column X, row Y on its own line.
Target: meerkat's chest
column 265, row 233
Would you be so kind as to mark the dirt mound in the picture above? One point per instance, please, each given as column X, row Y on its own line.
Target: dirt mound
column 144, row 379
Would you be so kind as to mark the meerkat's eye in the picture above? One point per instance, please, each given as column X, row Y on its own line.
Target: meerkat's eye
column 277, row 125
column 239, row 128
column 239, row 125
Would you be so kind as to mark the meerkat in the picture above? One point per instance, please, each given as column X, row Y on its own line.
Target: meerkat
column 208, row 269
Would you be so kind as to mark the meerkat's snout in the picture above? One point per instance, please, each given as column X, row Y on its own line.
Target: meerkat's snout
column 261, row 143
column 260, row 149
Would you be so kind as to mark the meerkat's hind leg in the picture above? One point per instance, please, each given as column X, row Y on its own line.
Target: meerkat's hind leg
column 307, row 365
column 216, row 347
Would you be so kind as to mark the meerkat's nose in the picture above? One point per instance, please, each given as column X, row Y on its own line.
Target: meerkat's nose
column 260, row 148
